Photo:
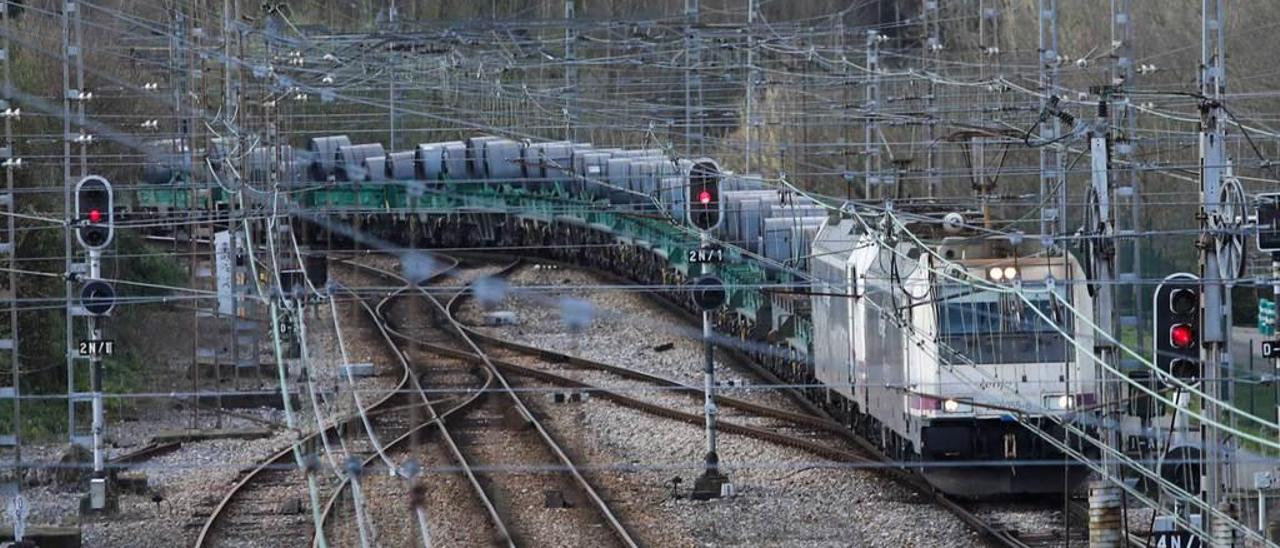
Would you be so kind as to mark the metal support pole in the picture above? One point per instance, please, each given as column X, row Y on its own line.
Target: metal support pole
column 67, row 177
column 933, row 46
column 1216, row 316
column 570, row 71
column 871, row 127
column 692, row 82
column 1053, row 220
column 13, row 488
column 749, row 123
column 95, row 371
column 391, row 82
column 1275, row 322
column 713, row 483
column 1122, row 33
column 709, row 376
column 1104, row 496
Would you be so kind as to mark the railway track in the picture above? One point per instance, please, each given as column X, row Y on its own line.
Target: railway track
column 994, row 530
column 807, row 428
column 470, row 390
column 251, row 514
column 491, row 427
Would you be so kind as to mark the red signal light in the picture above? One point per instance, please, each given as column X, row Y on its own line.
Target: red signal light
column 1182, row 336
column 95, row 216
column 704, row 197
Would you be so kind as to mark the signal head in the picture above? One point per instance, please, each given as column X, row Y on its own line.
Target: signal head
column 94, row 212
column 1182, row 335
column 1176, row 315
column 1183, row 301
column 1185, row 369
column 704, row 195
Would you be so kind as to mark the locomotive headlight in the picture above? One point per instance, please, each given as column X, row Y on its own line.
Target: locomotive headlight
column 951, row 406
column 1059, row 402
column 1002, row 273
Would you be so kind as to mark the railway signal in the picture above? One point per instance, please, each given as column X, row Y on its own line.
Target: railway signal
column 708, row 293
column 1176, row 310
column 1268, row 214
column 94, row 217
column 98, row 297
column 704, row 198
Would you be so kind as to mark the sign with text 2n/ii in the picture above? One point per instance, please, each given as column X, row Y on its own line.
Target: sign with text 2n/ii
column 97, row 349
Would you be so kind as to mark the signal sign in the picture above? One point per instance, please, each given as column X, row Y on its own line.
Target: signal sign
column 707, row 254
column 1270, row 349
column 1176, row 539
column 96, row 349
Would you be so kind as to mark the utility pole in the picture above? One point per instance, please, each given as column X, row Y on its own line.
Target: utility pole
column 692, row 81
column 570, row 71
column 1122, row 73
column 933, row 46
column 73, row 93
column 846, row 105
column 1104, row 496
column 9, row 160
column 749, row 122
column 392, row 65
column 1053, row 220
column 1216, row 315
column 69, row 88
column 871, row 126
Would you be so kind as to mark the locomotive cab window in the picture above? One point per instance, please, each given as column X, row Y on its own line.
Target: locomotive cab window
column 988, row 327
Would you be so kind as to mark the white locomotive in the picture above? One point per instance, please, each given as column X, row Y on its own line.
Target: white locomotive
column 937, row 369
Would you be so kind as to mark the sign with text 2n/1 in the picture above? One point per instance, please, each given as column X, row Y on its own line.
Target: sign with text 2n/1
column 97, row 348
column 706, row 255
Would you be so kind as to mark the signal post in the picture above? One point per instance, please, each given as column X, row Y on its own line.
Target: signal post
column 709, row 294
column 95, row 230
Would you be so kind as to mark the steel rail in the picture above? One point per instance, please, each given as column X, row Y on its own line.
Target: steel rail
column 477, row 355
column 388, row 332
column 219, row 513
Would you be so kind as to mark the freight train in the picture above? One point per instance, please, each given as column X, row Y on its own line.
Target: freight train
column 940, row 351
